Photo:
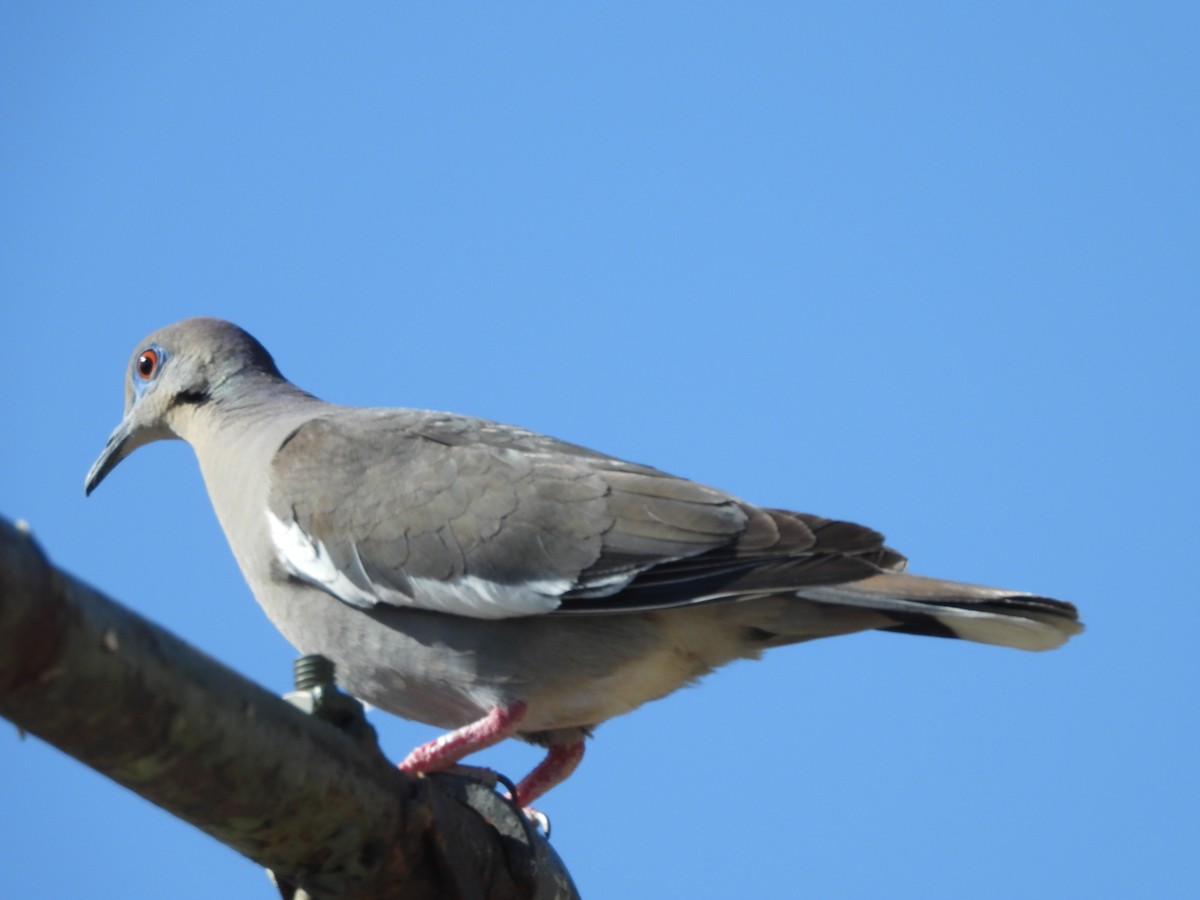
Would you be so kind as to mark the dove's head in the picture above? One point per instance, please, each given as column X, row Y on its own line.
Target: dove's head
column 171, row 373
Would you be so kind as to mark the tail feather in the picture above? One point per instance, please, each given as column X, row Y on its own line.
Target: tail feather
column 933, row 606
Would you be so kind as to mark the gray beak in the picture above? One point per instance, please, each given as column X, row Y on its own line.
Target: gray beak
column 117, row 448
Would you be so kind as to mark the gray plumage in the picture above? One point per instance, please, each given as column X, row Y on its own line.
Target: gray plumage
column 452, row 567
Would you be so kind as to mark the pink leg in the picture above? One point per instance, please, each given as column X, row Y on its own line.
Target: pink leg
column 445, row 751
column 559, row 763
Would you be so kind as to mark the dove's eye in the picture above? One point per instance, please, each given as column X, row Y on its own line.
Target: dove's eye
column 147, row 364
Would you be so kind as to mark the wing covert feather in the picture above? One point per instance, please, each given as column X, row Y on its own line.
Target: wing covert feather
column 470, row 517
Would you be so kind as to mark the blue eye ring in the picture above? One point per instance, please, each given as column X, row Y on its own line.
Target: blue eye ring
column 146, row 367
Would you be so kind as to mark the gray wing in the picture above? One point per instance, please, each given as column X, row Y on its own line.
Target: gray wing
column 469, row 517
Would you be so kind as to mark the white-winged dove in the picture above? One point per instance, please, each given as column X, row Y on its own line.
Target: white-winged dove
column 500, row 583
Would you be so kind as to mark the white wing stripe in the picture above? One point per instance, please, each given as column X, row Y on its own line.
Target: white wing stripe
column 309, row 560
column 467, row 595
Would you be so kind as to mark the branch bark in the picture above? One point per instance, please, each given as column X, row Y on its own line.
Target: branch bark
column 293, row 793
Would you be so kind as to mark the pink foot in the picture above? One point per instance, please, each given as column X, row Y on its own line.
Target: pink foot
column 559, row 763
column 445, row 751
column 502, row 722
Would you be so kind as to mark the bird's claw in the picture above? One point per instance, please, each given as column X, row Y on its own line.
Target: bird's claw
column 538, row 818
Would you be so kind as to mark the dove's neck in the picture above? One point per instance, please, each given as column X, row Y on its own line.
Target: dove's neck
column 235, row 437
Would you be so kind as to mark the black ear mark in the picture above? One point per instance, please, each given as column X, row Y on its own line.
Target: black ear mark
column 194, row 398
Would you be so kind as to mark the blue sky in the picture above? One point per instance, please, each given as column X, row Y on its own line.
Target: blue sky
column 931, row 267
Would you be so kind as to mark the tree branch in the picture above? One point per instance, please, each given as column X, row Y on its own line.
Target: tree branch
column 291, row 792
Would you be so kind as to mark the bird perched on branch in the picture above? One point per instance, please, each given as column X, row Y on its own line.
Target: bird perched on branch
column 499, row 583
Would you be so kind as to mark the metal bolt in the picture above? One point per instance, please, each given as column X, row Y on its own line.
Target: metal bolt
column 313, row 671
